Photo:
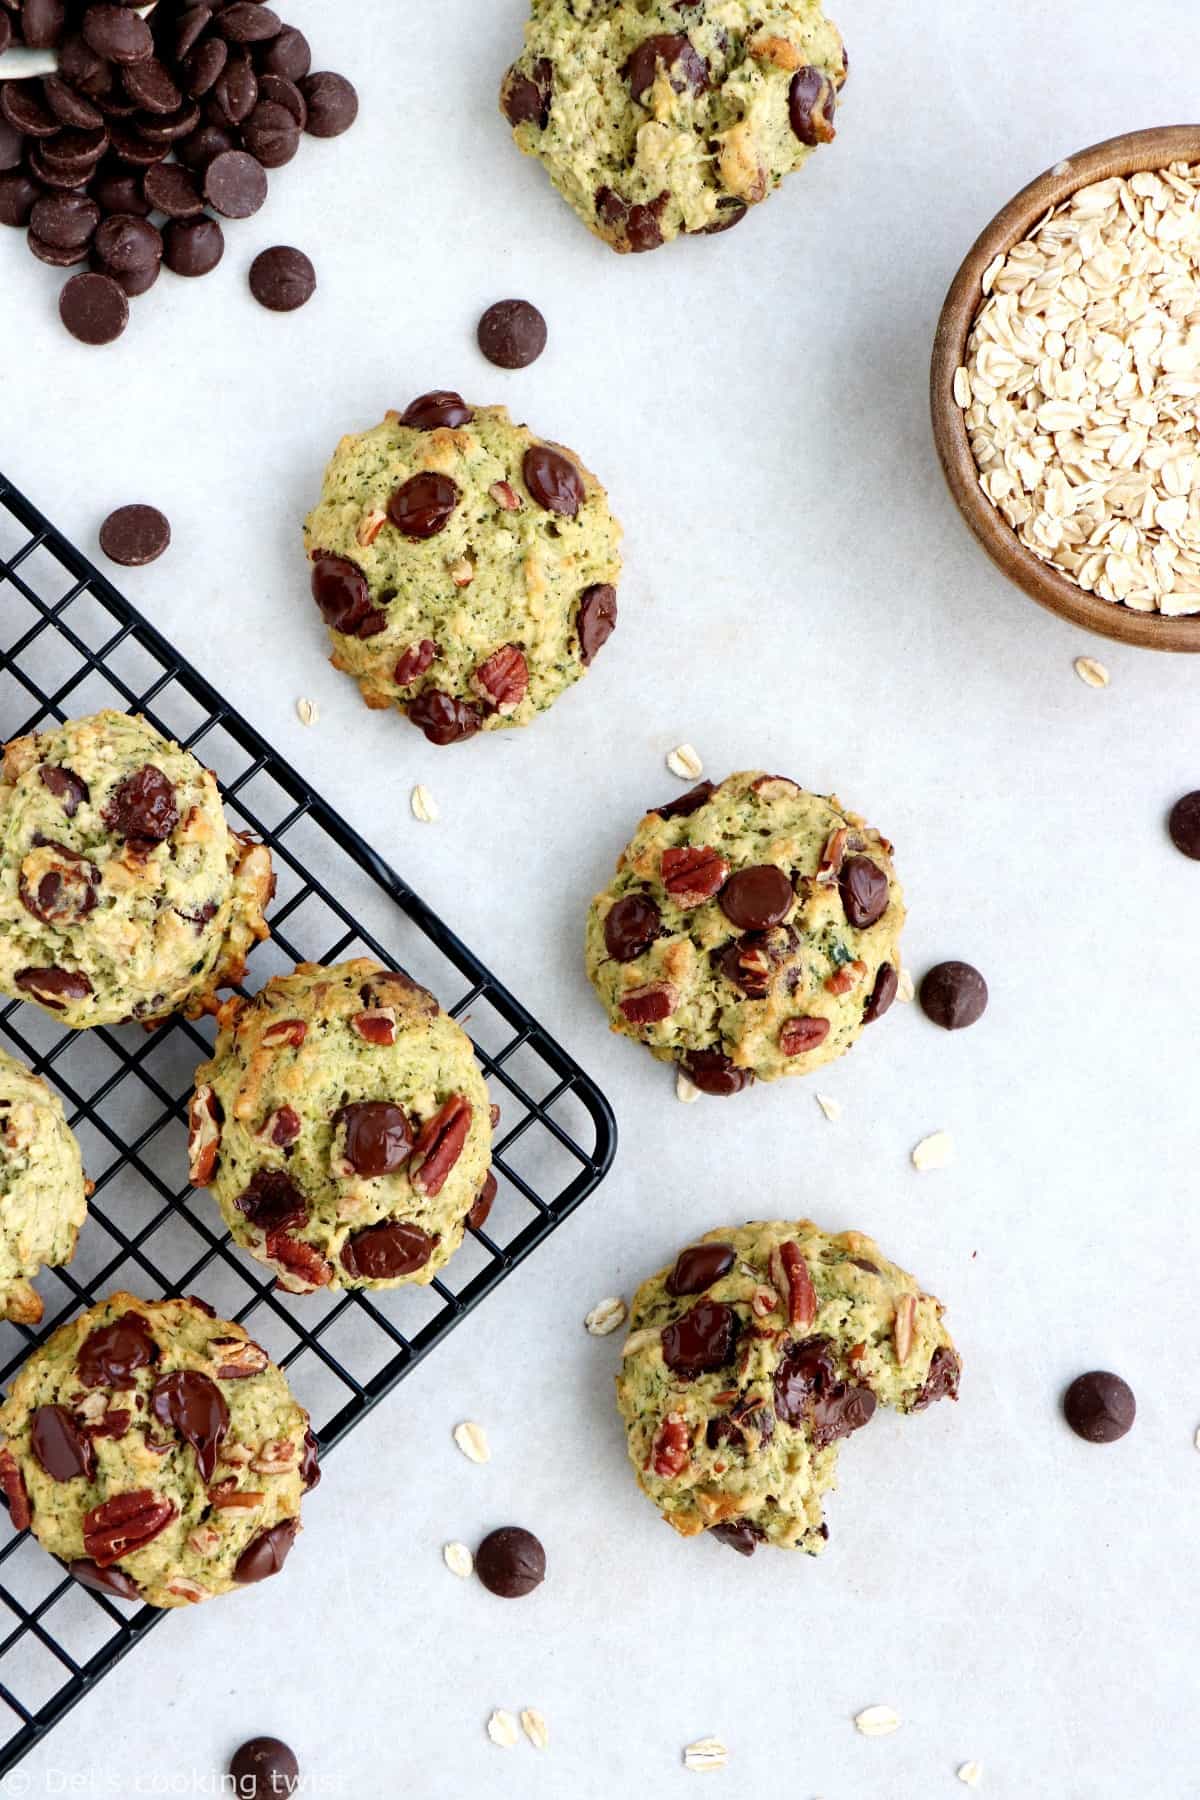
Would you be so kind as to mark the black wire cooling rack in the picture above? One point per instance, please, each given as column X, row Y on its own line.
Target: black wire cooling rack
column 69, row 645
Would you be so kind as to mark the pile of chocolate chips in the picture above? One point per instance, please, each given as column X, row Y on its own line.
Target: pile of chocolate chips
column 151, row 126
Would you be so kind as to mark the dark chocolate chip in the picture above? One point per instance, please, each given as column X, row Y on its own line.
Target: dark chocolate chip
column 18, row 196
column 332, row 104
column 812, row 104
column 756, row 898
column 510, row 1562
column 111, row 1355
column 387, row 1251
column 954, row 995
column 525, row 99
column 484, row 1201
column 21, row 105
column 247, row 22
column 378, row 1136
column 340, row 590
column 193, row 246
column 285, row 93
column 72, row 107
column 104, row 1581
column 143, row 806
column 67, row 787
column 235, row 91
column 422, row 505
column 714, row 1073
column 235, row 184
column 512, row 334
column 697, row 1267
column 864, row 890
column 192, row 1404
column 685, row 67
column 59, row 1446
column 702, row 1340
column 887, row 983
column 267, row 1554
column 310, row 1465
column 687, row 803
column 553, row 480
column 742, row 1535
column 150, row 85
column 135, row 535
column 94, row 308
column 1184, row 825
column 635, row 225
column 443, row 407
column 117, row 33
column 190, row 27
column 203, row 66
column 442, row 718
column 272, row 1201
column 264, row 1768
column 53, row 987
column 65, row 221
column 282, row 279
column 288, row 55
column 1099, row 1406
column 941, row 1383
column 271, row 134
column 172, row 189
column 120, row 190
column 809, row 1393
column 631, row 925
column 596, row 619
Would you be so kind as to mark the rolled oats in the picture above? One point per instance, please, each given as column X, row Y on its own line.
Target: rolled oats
column 685, row 1090
column 308, row 711
column 424, row 806
column 685, row 762
column 458, row 1560
column 877, row 1721
column 934, row 1152
column 829, row 1106
column 1091, row 672
column 705, row 1756
column 533, row 1724
column 502, row 1729
column 971, row 1774
column 905, row 991
column 608, row 1316
column 472, row 1441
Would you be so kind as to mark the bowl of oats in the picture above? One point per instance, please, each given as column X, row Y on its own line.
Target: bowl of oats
column 1065, row 388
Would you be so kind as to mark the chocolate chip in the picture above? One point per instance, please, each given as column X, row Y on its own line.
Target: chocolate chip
column 203, row 66
column 340, row 590
column 553, row 480
column 510, row 1562
column 756, row 898
column 310, row 1467
column 697, row 1267
column 272, row 134
column 638, row 225
column 596, row 619
column 151, row 85
column 687, row 803
column 21, row 105
column 235, row 91
column 631, row 925
column 742, row 1535
column 285, row 93
column 93, row 308
column 812, row 103
column 714, row 1073
column 282, row 279
column 120, row 190
column 66, row 221
column 512, row 334
column 247, row 22
column 135, row 535
column 442, row 718
column 264, row 1767
column 143, row 806
column 235, row 184
column 484, row 1201
column 954, row 995
column 53, row 987
column 6, row 32
column 809, row 1393
column 887, row 983
column 18, row 196
column 422, row 505
column 71, row 107
column 65, row 891
column 442, row 407
column 685, row 67
column 190, row 26
column 192, row 1404
column 170, row 188
column 1099, row 1406
column 941, row 1383
column 287, row 55
column 193, row 246
column 1184, row 825
column 864, row 890
column 378, row 1136
column 117, row 33
column 332, row 104
column 702, row 1340
column 267, row 1554
column 51, row 254
column 63, row 1451
column 387, row 1251
column 111, row 1355
column 272, row 1201
column 66, row 786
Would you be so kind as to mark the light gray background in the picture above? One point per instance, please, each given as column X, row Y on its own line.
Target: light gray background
column 799, row 595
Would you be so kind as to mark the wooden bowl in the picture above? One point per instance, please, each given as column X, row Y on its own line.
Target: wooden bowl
column 1048, row 586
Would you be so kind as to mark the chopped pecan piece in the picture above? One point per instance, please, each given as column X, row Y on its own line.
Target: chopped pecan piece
column 204, row 1136
column 439, row 1145
column 796, row 1036
column 126, row 1523
column 503, row 679
column 377, row 1026
column 303, row 1267
column 693, row 873
column 413, row 662
column 274, row 1458
column 672, row 1448
column 225, row 1497
column 506, row 496
column 238, row 1357
column 791, row 1277
column 845, row 979
column 650, row 1003
column 13, row 1483
column 284, row 1031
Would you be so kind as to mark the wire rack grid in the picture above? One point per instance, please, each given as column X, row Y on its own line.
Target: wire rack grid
column 70, row 645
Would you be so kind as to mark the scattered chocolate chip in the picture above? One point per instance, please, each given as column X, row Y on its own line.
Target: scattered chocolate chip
column 52, row 254
column 1099, row 1406
column 192, row 1404
column 864, row 890
column 512, row 334
column 697, row 1267
column 687, row 803
column 193, row 246
column 135, row 535
column 702, row 1340
column 510, row 1562
column 282, row 279
column 117, row 33
column 143, row 806
column 66, row 221
column 954, row 995
column 808, row 1392
column 340, row 590
column 288, row 55
column 812, row 103
column 596, row 619
column 53, row 987
column 310, row 1466
column 235, row 184
column 264, row 1768
column 631, row 925
column 271, row 134
column 553, row 480
column 1184, row 825
column 421, row 506
column 93, row 308
column 714, row 1073
column 285, row 93
column 756, row 898
column 941, row 1383
column 443, row 407
column 332, row 104
column 247, row 22
column 272, row 1201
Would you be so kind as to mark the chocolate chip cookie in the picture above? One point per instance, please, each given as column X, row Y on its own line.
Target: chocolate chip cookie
column 43, row 1193
column 752, row 929
column 123, row 891
column 344, row 1128
column 157, row 1450
column 749, row 1359
column 466, row 569
column 656, row 117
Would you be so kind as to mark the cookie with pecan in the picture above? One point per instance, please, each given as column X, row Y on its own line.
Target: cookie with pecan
column 752, row 930
column 752, row 1356
column 123, row 891
column 465, row 568
column 344, row 1128
column 43, row 1191
column 660, row 117
column 158, row 1451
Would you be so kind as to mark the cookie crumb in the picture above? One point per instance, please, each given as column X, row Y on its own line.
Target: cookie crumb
column 1092, row 673
column 472, row 1441
column 608, row 1316
column 458, row 1560
column 685, row 1090
column 533, row 1724
column 971, row 1774
column 934, row 1152
column 685, row 762
column 424, row 806
column 502, row 1729
column 705, row 1755
column 829, row 1106
column 307, row 711
column 877, row 1721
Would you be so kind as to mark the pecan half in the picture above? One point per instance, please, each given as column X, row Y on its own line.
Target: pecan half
column 693, row 873
column 413, row 662
column 126, row 1523
column 303, row 1267
column 650, row 1003
column 671, row 1451
column 832, row 857
column 439, row 1145
column 284, row 1031
column 798, row 1035
column 503, row 679
column 204, row 1136
column 377, row 1026
column 13, row 1483
column 790, row 1274
column 238, row 1357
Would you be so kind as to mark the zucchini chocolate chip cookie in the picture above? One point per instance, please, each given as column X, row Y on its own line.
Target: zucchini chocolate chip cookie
column 344, row 1127
column 656, row 117
column 157, row 1450
column 466, row 569
column 123, row 891
column 752, row 929
column 750, row 1358
column 43, row 1192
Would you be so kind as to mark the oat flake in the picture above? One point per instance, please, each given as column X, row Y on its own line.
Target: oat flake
column 608, row 1316
column 829, row 1106
column 308, row 711
column 1092, row 673
column 472, row 1441
column 502, row 1729
column 934, row 1152
column 533, row 1724
column 685, row 762
column 877, row 1721
column 424, row 806
column 971, row 1774
column 705, row 1756
column 685, row 1090
column 905, row 991
column 458, row 1560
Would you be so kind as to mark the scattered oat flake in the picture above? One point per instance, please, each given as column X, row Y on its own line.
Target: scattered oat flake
column 472, row 1441
column 308, row 711
column 458, row 1559
column 424, row 806
column 829, row 1106
column 705, row 1756
column 1196, row 1440
column 502, row 1729
column 905, row 991
column 608, row 1316
column 685, row 1090
column 971, row 1774
column 877, row 1721
column 1092, row 672
column 533, row 1724
column 685, row 762
column 934, row 1152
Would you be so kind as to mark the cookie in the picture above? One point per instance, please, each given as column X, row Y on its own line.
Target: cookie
column 123, row 891
column 157, row 1451
column 344, row 1128
column 466, row 569
column 750, row 1358
column 752, row 930
column 656, row 117
column 43, row 1192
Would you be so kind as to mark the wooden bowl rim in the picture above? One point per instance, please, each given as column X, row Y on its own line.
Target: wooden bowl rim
column 1124, row 155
